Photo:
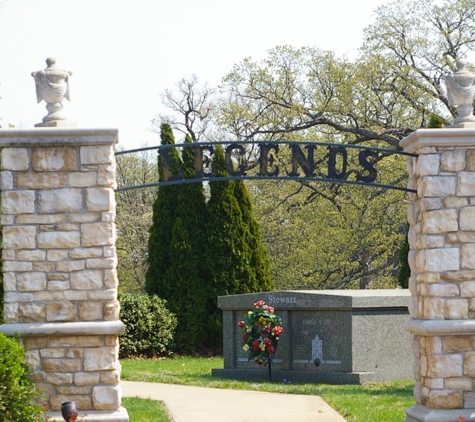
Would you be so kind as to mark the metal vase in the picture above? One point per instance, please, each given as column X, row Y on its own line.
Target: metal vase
column 69, row 410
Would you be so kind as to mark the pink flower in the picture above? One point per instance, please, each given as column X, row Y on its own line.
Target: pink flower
column 270, row 309
column 277, row 330
column 241, row 324
column 259, row 304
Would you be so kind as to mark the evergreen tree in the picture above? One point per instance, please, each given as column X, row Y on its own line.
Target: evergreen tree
column 238, row 261
column 259, row 261
column 163, row 220
column 186, row 271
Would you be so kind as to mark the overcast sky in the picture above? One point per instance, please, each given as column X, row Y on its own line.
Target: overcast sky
column 124, row 53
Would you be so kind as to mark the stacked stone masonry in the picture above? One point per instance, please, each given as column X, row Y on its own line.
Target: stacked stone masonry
column 442, row 259
column 59, row 262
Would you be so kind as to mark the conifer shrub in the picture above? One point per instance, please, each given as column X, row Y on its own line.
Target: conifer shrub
column 149, row 326
column 17, row 393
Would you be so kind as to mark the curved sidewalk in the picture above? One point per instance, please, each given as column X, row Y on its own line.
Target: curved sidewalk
column 199, row 404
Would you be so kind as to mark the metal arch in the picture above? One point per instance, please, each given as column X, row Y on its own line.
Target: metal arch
column 209, row 145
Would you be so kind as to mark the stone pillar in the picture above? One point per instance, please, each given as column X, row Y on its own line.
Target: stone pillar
column 442, row 259
column 59, row 263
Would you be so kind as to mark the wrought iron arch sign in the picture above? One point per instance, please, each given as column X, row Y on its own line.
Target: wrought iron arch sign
column 279, row 160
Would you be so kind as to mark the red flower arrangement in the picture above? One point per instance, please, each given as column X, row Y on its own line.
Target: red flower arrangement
column 262, row 329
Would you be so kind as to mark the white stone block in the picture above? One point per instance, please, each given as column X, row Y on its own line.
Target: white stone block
column 16, row 159
column 10, row 312
column 455, row 202
column 81, row 253
column 61, row 312
column 441, row 221
column 82, row 179
column 430, row 242
column 41, row 219
column 87, row 280
column 8, row 220
column 109, row 294
column 10, row 297
column 467, row 218
column 6, row 180
column 32, row 312
column 443, row 290
column 85, row 218
column 103, row 263
column 428, row 165
column 468, row 256
column 106, row 398
column 453, row 161
column 59, row 285
column 110, row 279
column 467, row 288
column 435, row 260
column 60, row 200
column 101, row 359
column 70, row 266
column 466, row 183
column 54, row 159
column 97, row 154
column 431, row 204
column 86, row 378
column 98, row 234
column 55, row 255
column 18, row 202
column 456, row 308
column 445, row 366
column 31, row 282
column 9, row 282
column 100, row 199
column 108, row 216
column 17, row 266
column 19, row 237
column 31, row 255
column 434, row 308
column 59, row 240
column 437, row 186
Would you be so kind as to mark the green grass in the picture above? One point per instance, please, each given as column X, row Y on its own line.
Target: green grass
column 146, row 410
column 378, row 402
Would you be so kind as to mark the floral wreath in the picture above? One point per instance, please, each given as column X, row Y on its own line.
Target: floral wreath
column 262, row 329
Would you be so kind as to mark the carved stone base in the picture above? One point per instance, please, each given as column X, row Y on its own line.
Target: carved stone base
column 119, row 415
column 57, row 123
column 420, row 413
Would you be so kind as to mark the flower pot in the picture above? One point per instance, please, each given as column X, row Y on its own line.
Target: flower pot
column 69, row 411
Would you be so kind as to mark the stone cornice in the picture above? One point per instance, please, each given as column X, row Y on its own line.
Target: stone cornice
column 450, row 137
column 93, row 328
column 56, row 137
column 456, row 327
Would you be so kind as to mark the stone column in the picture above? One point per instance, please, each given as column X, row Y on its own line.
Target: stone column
column 59, row 263
column 442, row 259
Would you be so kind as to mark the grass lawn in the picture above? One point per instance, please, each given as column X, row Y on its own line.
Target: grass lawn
column 145, row 410
column 378, row 402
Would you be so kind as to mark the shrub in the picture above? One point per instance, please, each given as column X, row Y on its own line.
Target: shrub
column 17, row 393
column 149, row 326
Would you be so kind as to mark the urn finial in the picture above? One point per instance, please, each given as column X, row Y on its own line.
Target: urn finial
column 52, row 86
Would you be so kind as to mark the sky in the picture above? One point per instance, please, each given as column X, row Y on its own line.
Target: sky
column 125, row 53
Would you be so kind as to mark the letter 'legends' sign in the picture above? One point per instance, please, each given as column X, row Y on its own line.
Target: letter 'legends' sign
column 277, row 160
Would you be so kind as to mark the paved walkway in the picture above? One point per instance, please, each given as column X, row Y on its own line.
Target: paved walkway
column 199, row 404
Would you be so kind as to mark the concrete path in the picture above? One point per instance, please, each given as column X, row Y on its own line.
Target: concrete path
column 199, row 404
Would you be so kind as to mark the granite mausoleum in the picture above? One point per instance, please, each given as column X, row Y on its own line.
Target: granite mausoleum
column 330, row 336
